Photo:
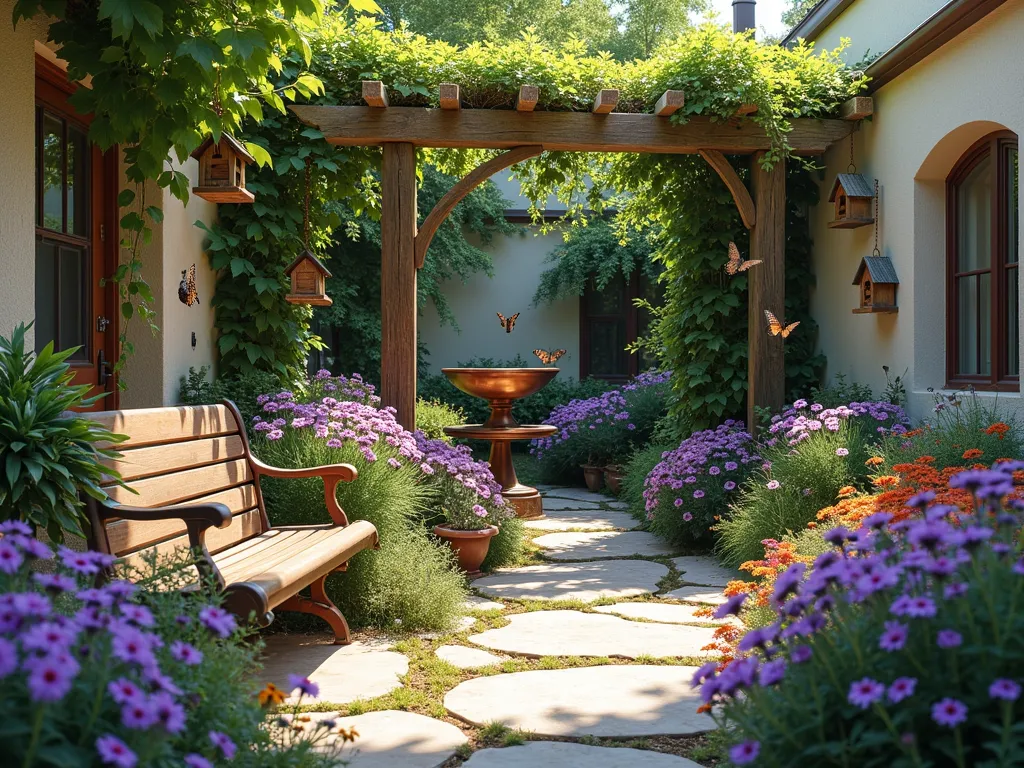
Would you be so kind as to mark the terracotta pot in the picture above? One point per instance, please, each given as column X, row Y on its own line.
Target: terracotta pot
column 470, row 547
column 594, row 477
column 613, row 475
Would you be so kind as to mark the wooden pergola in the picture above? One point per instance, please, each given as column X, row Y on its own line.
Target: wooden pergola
column 525, row 133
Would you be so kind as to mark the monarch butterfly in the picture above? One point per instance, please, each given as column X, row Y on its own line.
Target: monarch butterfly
column 736, row 264
column 187, row 293
column 508, row 323
column 775, row 328
column 548, row 357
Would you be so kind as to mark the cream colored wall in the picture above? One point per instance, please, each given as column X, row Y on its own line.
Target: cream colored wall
column 876, row 25
column 17, row 170
column 924, row 121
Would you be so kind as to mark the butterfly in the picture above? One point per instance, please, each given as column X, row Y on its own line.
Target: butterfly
column 508, row 323
column 187, row 293
column 775, row 328
column 547, row 358
column 736, row 264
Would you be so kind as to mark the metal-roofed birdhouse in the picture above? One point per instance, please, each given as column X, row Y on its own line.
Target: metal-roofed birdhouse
column 222, row 170
column 877, row 280
column 851, row 195
column 309, row 281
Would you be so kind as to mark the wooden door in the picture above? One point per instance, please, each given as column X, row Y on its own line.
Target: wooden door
column 76, row 237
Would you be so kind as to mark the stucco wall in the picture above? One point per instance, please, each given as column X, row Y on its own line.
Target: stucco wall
column 17, row 161
column 924, row 121
column 875, row 26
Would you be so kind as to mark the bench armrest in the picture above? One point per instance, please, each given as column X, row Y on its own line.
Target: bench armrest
column 331, row 474
column 198, row 518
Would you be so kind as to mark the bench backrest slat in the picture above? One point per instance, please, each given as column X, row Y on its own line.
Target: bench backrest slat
column 178, row 456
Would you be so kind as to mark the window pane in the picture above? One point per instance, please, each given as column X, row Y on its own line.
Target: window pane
column 1013, row 323
column 78, row 176
column 610, row 300
column 1012, row 215
column 46, row 291
column 985, row 322
column 970, row 310
column 71, row 307
column 608, row 348
column 53, row 173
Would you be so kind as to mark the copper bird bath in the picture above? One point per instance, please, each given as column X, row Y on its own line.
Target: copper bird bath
column 501, row 387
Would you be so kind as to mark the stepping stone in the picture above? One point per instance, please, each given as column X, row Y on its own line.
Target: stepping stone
column 577, row 494
column 344, row 673
column 574, row 633
column 552, row 504
column 477, row 603
column 706, row 595
column 706, row 571
column 616, row 505
column 594, row 546
column 466, row 658
column 618, row 701
column 393, row 739
column 664, row 613
column 568, row 755
column 596, row 520
column 574, row 581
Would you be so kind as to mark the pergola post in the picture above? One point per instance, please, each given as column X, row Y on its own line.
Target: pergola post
column 766, row 377
column 398, row 281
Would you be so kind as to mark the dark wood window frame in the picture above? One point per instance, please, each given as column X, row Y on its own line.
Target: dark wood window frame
column 998, row 147
column 634, row 290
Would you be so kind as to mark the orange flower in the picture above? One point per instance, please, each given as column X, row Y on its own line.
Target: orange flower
column 874, row 461
column 271, row 695
column 999, row 429
column 886, row 480
column 925, row 459
column 846, row 490
column 973, row 453
column 812, row 524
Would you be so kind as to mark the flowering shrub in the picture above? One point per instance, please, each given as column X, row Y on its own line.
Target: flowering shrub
column 693, row 484
column 605, row 428
column 810, row 453
column 907, row 638
column 120, row 676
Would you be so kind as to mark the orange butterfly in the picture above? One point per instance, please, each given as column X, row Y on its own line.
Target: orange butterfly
column 547, row 358
column 508, row 323
column 736, row 264
column 775, row 328
column 187, row 293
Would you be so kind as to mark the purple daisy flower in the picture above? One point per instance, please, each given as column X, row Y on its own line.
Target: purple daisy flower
column 217, row 620
column 224, row 743
column 901, row 688
column 113, row 751
column 865, row 692
column 894, row 637
column 1004, row 690
column 745, row 752
column 949, row 638
column 731, row 607
column 949, row 712
column 186, row 653
column 197, row 761
column 306, row 686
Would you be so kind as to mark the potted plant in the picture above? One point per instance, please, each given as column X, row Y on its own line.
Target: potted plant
column 49, row 453
column 613, row 475
column 467, row 499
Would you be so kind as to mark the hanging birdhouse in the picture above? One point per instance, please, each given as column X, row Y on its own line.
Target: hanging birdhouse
column 877, row 281
column 222, row 170
column 309, row 281
column 852, row 196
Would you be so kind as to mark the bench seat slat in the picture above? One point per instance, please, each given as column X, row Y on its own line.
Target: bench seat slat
column 173, row 457
column 151, row 426
column 178, row 487
column 243, row 526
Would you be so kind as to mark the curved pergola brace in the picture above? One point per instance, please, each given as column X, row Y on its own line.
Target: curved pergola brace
column 473, row 179
column 740, row 193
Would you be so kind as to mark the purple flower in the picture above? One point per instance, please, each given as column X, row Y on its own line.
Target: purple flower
column 703, row 673
column 137, row 614
column 15, row 526
column 217, row 620
column 949, row 638
column 222, row 742
column 55, row 582
column 731, row 607
column 79, row 562
column 865, row 692
column 8, row 657
column 800, row 654
column 678, row 503
column 745, row 752
column 51, row 677
column 1003, row 689
column 169, row 713
column 788, row 581
column 921, row 499
column 698, row 494
column 915, row 607
column 47, row 636
column 949, row 712
column 138, row 714
column 10, row 558
column 729, row 485
column 894, row 637
column 113, row 751
column 186, row 653
column 132, row 646
column 306, row 686
column 771, row 673
column 800, row 404
column 687, row 517
column 197, row 761
column 901, row 688
column 956, row 589
column 842, row 452
column 123, row 690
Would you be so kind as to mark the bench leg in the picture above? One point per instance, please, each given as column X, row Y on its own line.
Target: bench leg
column 319, row 604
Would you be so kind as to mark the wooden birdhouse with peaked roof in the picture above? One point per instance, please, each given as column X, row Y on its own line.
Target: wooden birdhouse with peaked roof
column 222, row 170
column 877, row 281
column 309, row 281
column 852, row 195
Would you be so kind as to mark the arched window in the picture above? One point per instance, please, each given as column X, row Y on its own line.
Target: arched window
column 982, row 234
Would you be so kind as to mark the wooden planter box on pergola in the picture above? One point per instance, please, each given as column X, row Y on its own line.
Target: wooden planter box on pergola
column 526, row 132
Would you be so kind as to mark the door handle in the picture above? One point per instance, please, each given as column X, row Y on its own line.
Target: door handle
column 103, row 369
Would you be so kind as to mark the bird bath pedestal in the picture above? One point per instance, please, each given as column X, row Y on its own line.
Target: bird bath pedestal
column 501, row 387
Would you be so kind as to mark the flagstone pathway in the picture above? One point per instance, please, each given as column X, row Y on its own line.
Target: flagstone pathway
column 594, row 554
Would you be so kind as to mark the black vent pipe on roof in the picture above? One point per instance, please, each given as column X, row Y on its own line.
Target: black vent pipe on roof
column 743, row 15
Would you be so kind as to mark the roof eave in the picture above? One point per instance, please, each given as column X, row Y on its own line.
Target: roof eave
column 817, row 20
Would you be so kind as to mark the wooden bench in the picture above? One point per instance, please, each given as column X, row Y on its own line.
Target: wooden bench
column 197, row 485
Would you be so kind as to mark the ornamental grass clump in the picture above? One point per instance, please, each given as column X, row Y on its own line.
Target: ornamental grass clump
column 692, row 485
column 124, row 675
column 903, row 647
column 410, row 581
column 810, row 454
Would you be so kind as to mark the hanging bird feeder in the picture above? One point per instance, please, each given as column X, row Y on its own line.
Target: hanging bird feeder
column 308, row 276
